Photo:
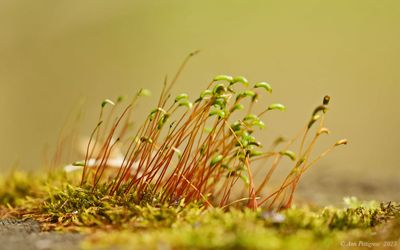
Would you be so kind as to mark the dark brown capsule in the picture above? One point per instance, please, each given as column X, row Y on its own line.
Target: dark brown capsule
column 326, row 100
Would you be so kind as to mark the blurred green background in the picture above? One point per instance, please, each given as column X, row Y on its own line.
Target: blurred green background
column 54, row 54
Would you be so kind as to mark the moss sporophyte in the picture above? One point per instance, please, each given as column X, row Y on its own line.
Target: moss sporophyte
column 200, row 150
column 193, row 174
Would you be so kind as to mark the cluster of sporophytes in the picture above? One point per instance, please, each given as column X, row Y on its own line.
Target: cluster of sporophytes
column 185, row 174
column 200, row 150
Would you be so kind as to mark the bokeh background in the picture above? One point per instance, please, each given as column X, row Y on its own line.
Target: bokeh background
column 55, row 55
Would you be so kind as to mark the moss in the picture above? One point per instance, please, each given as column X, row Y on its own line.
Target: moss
column 17, row 186
column 154, row 200
column 297, row 228
column 128, row 222
column 201, row 149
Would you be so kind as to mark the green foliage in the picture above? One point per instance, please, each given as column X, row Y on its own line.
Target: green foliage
column 131, row 222
column 296, row 228
column 329, row 218
column 75, row 206
column 17, row 186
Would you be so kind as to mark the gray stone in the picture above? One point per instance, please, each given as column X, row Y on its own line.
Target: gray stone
column 25, row 234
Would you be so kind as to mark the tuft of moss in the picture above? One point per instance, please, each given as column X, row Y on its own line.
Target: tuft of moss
column 17, row 186
column 81, row 208
column 200, row 149
column 127, row 222
column 295, row 228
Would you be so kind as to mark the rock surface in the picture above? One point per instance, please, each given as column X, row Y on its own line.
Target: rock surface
column 18, row 234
